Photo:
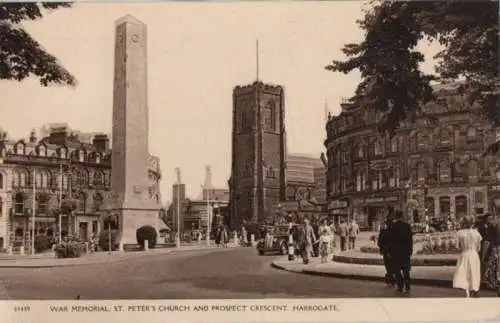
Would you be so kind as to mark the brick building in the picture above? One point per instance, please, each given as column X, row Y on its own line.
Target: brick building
column 433, row 166
column 61, row 164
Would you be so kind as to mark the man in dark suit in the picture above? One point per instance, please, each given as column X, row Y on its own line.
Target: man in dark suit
column 400, row 250
column 382, row 246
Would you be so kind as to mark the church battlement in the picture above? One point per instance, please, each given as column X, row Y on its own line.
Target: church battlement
column 243, row 89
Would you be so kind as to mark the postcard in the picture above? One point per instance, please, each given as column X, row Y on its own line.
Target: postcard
column 260, row 161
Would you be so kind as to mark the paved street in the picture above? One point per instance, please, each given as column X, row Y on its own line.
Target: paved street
column 229, row 273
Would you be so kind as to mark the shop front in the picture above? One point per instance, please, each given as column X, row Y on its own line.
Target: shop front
column 370, row 212
column 338, row 210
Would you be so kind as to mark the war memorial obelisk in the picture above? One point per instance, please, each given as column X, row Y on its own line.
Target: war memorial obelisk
column 130, row 200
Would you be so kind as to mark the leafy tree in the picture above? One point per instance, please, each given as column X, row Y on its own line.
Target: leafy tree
column 21, row 56
column 388, row 60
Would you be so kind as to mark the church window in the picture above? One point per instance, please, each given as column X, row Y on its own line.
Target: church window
column 270, row 116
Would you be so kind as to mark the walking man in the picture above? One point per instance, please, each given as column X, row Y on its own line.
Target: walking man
column 343, row 231
column 306, row 241
column 382, row 246
column 353, row 234
column 400, row 250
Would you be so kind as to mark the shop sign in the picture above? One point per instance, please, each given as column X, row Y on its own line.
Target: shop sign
column 337, row 204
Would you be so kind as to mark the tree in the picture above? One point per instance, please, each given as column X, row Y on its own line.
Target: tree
column 21, row 56
column 392, row 81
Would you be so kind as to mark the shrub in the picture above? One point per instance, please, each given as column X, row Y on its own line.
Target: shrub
column 42, row 243
column 148, row 233
column 104, row 240
column 70, row 248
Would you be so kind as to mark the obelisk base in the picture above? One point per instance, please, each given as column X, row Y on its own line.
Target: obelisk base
column 133, row 219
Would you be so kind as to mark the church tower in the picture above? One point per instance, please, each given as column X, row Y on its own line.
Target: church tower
column 257, row 181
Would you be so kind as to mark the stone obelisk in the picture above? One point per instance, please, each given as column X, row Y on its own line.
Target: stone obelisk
column 130, row 200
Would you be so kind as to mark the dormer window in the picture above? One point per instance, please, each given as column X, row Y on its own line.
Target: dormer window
column 41, row 151
column 81, row 156
column 20, row 149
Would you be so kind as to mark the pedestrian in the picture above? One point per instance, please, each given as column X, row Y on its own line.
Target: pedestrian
column 218, row 237
column 382, row 246
column 400, row 249
column 353, row 234
column 487, row 232
column 468, row 270
column 224, row 237
column 324, row 234
column 307, row 239
column 492, row 270
column 244, row 237
column 343, row 231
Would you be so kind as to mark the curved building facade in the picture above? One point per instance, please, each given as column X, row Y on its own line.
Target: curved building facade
column 431, row 168
column 61, row 165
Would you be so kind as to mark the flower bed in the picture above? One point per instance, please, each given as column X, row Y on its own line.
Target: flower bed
column 71, row 247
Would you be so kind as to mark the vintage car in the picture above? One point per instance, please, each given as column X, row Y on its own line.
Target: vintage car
column 276, row 239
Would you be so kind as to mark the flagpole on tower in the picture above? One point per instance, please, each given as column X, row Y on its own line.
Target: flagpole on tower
column 257, row 58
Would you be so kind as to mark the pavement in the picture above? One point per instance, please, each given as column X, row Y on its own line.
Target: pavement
column 232, row 273
column 48, row 259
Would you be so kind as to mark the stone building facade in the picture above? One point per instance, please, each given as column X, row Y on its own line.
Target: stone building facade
column 431, row 168
column 60, row 165
column 258, row 152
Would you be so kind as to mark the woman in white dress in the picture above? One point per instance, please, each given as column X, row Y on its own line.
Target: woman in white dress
column 468, row 271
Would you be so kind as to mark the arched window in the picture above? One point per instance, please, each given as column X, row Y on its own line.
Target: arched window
column 472, row 171
column 360, row 153
column 444, row 171
column 19, row 203
column 38, row 179
column 377, row 148
column 97, row 202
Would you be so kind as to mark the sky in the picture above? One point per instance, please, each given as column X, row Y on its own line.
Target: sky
column 197, row 54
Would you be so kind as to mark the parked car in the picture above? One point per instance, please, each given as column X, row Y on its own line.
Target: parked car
column 276, row 239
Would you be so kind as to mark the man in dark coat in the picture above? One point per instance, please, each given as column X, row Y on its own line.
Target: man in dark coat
column 382, row 246
column 400, row 250
column 487, row 232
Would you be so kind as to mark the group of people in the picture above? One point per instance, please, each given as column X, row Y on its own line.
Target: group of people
column 395, row 243
column 322, row 238
column 477, row 263
column 479, row 260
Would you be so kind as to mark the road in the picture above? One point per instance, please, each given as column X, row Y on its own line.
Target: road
column 229, row 273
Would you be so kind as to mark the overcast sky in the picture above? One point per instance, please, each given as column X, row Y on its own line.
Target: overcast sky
column 197, row 53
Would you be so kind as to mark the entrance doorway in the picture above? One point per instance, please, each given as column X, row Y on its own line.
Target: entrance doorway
column 84, row 229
